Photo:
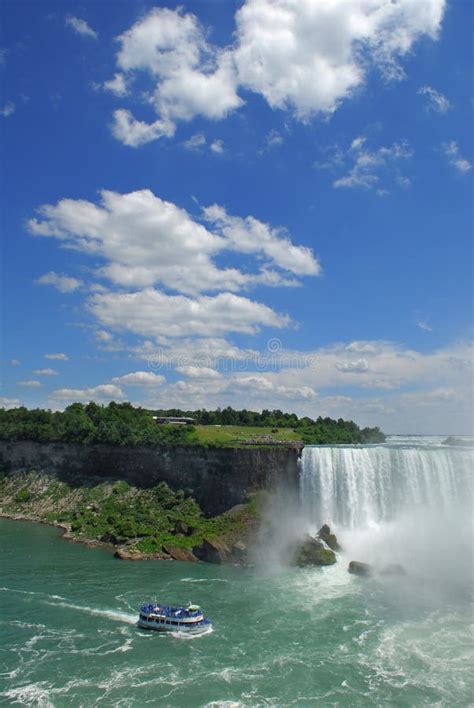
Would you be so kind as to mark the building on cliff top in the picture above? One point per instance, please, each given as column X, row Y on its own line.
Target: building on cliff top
column 172, row 420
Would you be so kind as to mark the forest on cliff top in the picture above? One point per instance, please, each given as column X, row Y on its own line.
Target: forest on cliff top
column 124, row 424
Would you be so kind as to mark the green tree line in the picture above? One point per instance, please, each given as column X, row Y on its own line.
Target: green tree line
column 124, row 424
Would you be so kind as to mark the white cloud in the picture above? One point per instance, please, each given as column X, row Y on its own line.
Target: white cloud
column 45, row 372
column 81, row 27
column 116, row 85
column 9, row 403
column 451, row 152
column 14, row 362
column 103, row 392
column 306, row 56
column 195, row 142
column 422, row 324
column 8, row 109
column 435, row 100
column 59, row 357
column 30, row 384
column 217, row 147
column 63, row 283
column 102, row 336
column 133, row 132
column 140, row 378
column 198, row 372
column 359, row 366
column 151, row 313
column 366, row 167
column 168, row 246
column 273, row 139
column 252, row 236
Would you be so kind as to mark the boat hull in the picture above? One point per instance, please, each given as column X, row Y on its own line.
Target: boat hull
column 167, row 626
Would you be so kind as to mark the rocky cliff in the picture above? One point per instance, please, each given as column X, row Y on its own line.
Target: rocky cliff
column 218, row 478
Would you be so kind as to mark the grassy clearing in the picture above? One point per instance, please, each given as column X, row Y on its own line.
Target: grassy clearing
column 233, row 435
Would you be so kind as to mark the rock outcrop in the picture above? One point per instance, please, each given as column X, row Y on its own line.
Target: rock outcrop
column 329, row 538
column 213, row 551
column 362, row 569
column 179, row 554
column 314, row 552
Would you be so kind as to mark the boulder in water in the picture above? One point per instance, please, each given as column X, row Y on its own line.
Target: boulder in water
column 212, row 550
column 329, row 538
column 313, row 552
column 180, row 554
column 363, row 569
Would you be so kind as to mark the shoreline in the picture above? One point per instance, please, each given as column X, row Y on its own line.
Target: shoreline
column 65, row 535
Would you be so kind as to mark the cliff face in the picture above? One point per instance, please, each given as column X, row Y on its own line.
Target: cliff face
column 219, row 478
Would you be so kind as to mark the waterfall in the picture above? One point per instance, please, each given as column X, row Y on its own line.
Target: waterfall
column 356, row 487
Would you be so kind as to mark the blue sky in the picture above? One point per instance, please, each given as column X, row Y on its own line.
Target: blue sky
column 264, row 204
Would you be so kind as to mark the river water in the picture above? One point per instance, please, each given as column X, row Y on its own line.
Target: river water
column 282, row 636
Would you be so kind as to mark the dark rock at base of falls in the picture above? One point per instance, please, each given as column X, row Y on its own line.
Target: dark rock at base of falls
column 329, row 538
column 363, row 569
column 313, row 552
column 212, row 551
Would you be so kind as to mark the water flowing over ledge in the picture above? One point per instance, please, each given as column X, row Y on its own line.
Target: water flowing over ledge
column 352, row 487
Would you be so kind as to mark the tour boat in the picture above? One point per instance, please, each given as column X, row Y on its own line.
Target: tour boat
column 165, row 618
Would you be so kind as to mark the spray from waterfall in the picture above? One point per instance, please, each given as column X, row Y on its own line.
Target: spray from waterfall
column 409, row 504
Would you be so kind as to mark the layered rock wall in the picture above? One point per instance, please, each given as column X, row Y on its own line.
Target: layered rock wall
column 220, row 478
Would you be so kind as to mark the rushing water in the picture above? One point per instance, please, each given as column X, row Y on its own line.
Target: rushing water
column 288, row 637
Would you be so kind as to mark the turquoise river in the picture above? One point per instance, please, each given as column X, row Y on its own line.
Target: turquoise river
column 281, row 636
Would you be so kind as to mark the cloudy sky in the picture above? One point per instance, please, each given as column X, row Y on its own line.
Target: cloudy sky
column 256, row 203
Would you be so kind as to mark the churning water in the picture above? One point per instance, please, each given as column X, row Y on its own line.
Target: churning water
column 303, row 637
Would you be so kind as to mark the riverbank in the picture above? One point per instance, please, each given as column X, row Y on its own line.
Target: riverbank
column 136, row 524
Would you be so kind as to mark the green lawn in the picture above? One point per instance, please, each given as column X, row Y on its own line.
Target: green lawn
column 235, row 434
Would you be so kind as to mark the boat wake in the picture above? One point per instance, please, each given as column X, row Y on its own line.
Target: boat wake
column 188, row 635
column 115, row 615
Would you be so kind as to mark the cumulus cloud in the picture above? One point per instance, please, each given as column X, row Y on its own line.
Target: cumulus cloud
column 435, row 101
column 367, row 167
column 30, row 384
column 9, row 403
column 359, row 366
column 103, row 392
column 132, row 132
column 451, row 151
column 63, row 283
column 152, row 313
column 168, row 245
column 14, row 362
column 45, row 372
column 140, row 378
column 116, row 85
column 81, row 27
column 60, row 356
column 249, row 235
column 305, row 56
column 217, row 147
column 195, row 142
column 198, row 372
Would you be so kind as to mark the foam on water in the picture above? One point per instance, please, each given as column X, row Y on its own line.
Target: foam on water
column 115, row 615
